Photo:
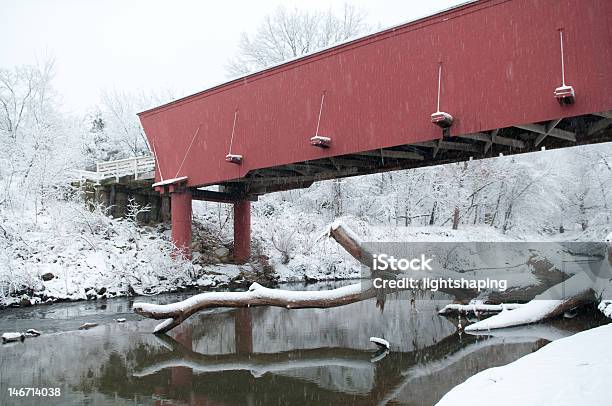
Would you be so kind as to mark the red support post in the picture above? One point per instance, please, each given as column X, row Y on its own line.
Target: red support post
column 242, row 231
column 181, row 221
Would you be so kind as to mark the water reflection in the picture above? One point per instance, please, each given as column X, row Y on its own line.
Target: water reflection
column 267, row 356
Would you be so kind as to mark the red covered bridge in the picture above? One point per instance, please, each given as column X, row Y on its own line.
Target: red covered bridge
column 484, row 78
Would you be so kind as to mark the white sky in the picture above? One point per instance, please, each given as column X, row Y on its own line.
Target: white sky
column 138, row 45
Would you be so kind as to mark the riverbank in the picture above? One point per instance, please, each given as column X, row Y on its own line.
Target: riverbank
column 569, row 371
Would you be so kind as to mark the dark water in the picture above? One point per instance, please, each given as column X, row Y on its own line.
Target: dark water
column 255, row 356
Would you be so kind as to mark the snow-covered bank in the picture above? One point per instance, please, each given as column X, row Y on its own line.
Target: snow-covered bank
column 66, row 252
column 571, row 371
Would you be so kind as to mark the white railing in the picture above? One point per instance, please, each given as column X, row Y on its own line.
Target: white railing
column 138, row 167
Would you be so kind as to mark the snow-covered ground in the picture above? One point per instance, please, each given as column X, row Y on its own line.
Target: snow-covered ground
column 574, row 370
column 67, row 252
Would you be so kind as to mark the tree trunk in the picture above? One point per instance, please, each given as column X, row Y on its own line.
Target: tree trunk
column 432, row 218
column 456, row 218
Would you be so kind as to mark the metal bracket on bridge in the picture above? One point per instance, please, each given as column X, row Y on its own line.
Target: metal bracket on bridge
column 318, row 140
column 564, row 94
column 321, row 142
column 233, row 158
column 440, row 118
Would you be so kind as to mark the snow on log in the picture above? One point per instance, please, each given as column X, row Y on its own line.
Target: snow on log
column 381, row 342
column 257, row 295
column 573, row 292
column 32, row 333
column 479, row 307
column 87, row 326
column 10, row 337
column 605, row 306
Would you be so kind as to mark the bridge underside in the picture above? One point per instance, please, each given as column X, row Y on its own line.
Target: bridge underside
column 531, row 137
column 559, row 133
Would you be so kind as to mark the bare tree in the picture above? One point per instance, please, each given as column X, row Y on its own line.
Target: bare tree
column 115, row 131
column 23, row 89
column 287, row 34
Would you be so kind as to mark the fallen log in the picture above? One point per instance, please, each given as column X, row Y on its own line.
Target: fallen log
column 257, row 295
column 577, row 290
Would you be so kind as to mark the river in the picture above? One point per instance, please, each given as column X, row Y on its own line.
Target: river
column 256, row 356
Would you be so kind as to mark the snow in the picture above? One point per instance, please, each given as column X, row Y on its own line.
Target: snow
column 381, row 342
column 571, row 371
column 32, row 333
column 605, row 306
column 8, row 337
column 170, row 181
column 543, row 304
column 533, row 312
column 479, row 307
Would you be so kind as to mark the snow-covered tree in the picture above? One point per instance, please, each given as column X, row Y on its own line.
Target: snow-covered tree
column 287, row 34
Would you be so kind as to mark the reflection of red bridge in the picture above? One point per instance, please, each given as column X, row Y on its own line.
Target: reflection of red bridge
column 490, row 71
column 185, row 373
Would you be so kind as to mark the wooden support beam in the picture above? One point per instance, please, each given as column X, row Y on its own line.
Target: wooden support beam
column 436, row 148
column 275, row 171
column 256, row 189
column 457, row 146
column 307, row 168
column 599, row 125
column 552, row 131
column 495, row 139
column 344, row 162
column 221, row 197
column 389, row 153
column 278, row 180
column 551, row 124
column 604, row 114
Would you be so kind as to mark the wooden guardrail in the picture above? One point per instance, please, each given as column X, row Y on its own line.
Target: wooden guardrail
column 136, row 167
